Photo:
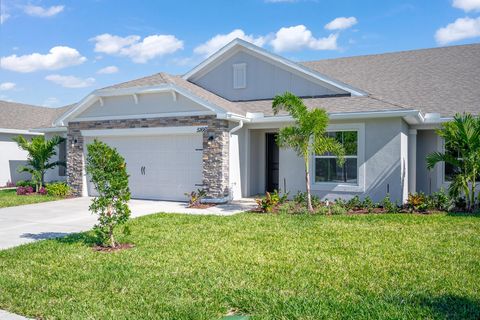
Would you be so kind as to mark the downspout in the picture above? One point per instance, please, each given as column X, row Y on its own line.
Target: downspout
column 235, row 129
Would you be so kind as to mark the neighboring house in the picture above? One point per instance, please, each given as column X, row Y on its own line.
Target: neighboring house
column 213, row 127
column 21, row 119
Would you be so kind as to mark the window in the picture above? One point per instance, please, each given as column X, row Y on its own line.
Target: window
column 326, row 167
column 62, row 156
column 240, row 76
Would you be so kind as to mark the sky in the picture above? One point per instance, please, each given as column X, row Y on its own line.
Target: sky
column 55, row 52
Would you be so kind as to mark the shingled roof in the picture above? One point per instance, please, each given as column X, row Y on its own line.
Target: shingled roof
column 444, row 80
column 24, row 117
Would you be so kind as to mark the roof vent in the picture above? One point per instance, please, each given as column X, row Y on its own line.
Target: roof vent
column 432, row 117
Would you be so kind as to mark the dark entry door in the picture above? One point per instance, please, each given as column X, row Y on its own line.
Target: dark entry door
column 272, row 162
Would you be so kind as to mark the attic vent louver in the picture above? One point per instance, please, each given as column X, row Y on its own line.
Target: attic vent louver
column 240, row 76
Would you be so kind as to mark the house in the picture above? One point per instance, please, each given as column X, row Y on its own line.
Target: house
column 213, row 127
column 21, row 119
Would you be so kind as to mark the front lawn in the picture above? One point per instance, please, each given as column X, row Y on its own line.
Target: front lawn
column 9, row 198
column 267, row 266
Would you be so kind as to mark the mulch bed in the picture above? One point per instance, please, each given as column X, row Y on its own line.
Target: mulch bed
column 119, row 247
column 202, row 206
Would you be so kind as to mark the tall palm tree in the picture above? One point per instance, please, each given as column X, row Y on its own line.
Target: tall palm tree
column 39, row 151
column 462, row 150
column 307, row 135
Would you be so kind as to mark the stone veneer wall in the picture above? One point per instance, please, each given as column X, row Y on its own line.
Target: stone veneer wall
column 215, row 152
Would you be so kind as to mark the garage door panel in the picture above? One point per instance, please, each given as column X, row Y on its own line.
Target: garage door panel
column 172, row 164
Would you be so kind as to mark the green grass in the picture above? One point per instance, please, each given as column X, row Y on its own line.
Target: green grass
column 266, row 266
column 9, row 198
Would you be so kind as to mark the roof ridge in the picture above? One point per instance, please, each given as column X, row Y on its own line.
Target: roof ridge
column 391, row 53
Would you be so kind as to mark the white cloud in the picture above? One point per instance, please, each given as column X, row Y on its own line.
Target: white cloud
column 108, row 70
column 4, row 17
column 5, row 86
column 467, row 5
column 139, row 51
column 299, row 37
column 57, row 58
column 110, row 44
column 51, row 102
column 70, row 81
column 217, row 42
column 462, row 28
column 341, row 23
column 37, row 11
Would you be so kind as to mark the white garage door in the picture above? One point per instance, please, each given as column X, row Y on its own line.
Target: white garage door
column 161, row 167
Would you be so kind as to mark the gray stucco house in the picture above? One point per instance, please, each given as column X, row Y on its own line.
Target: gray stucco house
column 22, row 119
column 213, row 127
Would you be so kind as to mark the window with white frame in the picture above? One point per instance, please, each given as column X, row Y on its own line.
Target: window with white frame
column 327, row 168
column 240, row 76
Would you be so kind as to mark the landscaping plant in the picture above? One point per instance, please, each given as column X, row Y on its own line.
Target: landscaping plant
column 462, row 150
column 108, row 173
column 58, row 189
column 195, row 197
column 40, row 150
column 306, row 135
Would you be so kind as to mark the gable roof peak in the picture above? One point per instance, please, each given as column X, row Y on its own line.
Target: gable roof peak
column 238, row 43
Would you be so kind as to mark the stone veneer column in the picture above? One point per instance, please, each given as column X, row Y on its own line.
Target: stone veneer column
column 215, row 149
column 75, row 159
column 216, row 161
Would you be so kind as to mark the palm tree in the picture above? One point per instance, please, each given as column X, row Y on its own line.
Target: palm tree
column 462, row 150
column 307, row 135
column 39, row 151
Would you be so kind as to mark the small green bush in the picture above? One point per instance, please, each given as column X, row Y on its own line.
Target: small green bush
column 389, row 206
column 58, row 189
column 336, row 209
column 25, row 183
column 301, row 198
column 368, row 204
column 354, row 203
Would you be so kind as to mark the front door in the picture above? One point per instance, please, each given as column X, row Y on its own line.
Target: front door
column 272, row 162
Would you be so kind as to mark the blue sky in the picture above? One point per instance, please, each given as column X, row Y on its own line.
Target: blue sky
column 53, row 52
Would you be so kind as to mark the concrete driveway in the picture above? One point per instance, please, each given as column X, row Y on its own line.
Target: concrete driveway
column 23, row 224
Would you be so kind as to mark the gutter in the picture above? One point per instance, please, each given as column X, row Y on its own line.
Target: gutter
column 20, row 131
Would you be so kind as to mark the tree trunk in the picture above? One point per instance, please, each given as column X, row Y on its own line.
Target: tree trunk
column 110, row 235
column 110, row 228
column 474, row 206
column 307, row 180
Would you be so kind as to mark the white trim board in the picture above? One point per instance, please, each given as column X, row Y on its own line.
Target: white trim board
column 143, row 131
column 20, row 131
column 96, row 95
column 147, row 116
column 236, row 44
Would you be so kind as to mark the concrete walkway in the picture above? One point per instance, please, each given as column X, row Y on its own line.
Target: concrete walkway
column 28, row 223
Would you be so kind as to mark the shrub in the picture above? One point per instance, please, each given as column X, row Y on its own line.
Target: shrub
column 10, row 184
column 417, row 202
column 195, row 197
column 389, row 206
column 301, row 198
column 108, row 173
column 267, row 203
column 441, row 201
column 336, row 209
column 25, row 183
column 368, row 204
column 354, row 203
column 22, row 191
column 58, row 189
column 42, row 191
